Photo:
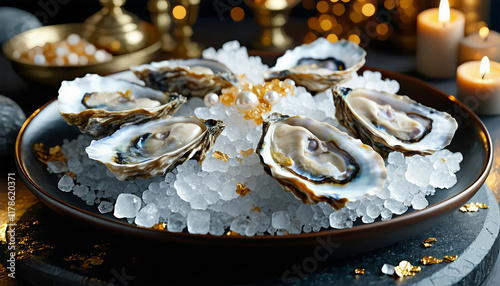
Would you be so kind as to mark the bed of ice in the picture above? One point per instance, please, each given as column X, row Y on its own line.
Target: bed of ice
column 202, row 199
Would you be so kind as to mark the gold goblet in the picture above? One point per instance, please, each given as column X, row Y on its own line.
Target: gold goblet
column 160, row 16
column 184, row 15
column 272, row 15
column 114, row 29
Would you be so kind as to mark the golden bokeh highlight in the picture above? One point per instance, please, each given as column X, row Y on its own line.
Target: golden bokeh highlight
column 179, row 12
column 354, row 38
column 338, row 9
column 368, row 9
column 332, row 38
column 237, row 14
column 322, row 6
column 484, row 32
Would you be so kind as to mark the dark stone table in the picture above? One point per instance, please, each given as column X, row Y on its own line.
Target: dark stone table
column 55, row 251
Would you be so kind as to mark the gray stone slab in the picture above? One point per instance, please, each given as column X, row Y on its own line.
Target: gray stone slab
column 473, row 236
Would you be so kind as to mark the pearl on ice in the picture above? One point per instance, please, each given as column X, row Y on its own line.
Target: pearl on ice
column 246, row 101
column 272, row 97
column 210, row 99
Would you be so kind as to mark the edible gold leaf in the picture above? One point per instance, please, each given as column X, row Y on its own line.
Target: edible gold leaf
column 473, row 207
column 450, row 258
column 359, row 271
column 241, row 189
column 281, row 159
column 428, row 260
column 221, row 156
column 247, row 152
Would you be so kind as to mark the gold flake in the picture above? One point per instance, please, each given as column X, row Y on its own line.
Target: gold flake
column 160, row 226
column 53, row 154
column 221, row 156
column 450, row 258
column 247, row 152
column 239, row 160
column 241, row 189
column 281, row 159
column 428, row 242
column 473, row 207
column 359, row 271
column 255, row 208
column 406, row 269
column 428, row 260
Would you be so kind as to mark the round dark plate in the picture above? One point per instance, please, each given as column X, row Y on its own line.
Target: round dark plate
column 472, row 139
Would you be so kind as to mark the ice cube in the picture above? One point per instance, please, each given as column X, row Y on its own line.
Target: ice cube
column 148, row 216
column 66, row 183
column 176, row 222
column 280, row 220
column 105, row 207
column 396, row 158
column 74, row 165
column 387, row 269
column 127, row 205
column 198, row 221
column 57, row 167
column 239, row 225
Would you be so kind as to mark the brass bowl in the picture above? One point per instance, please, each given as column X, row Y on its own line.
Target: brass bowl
column 53, row 75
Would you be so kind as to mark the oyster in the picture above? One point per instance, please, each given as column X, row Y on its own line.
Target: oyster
column 155, row 147
column 391, row 122
column 190, row 77
column 101, row 105
column 317, row 162
column 320, row 65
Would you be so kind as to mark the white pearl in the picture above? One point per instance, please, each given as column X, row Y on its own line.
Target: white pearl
column 211, row 99
column 246, row 101
column 291, row 82
column 272, row 97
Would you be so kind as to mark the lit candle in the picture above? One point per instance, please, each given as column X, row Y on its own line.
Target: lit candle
column 479, row 44
column 439, row 31
column 478, row 84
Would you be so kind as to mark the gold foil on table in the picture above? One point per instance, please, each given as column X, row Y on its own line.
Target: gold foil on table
column 359, row 271
column 473, row 207
column 450, row 258
column 221, row 156
column 428, row 242
column 405, row 269
column 428, row 260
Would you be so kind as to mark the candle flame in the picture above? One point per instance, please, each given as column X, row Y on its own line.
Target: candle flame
column 484, row 68
column 444, row 11
column 484, row 32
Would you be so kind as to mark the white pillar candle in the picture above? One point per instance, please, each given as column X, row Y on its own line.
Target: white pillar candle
column 439, row 32
column 479, row 86
column 480, row 44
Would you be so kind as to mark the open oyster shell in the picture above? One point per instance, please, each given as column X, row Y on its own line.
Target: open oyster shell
column 320, row 65
column 155, row 147
column 189, row 77
column 391, row 122
column 317, row 162
column 104, row 118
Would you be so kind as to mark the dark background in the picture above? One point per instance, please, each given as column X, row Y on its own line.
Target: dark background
column 216, row 12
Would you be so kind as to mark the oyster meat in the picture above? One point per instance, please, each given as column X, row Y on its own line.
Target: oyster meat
column 190, row 77
column 156, row 147
column 317, row 162
column 320, row 65
column 101, row 105
column 391, row 122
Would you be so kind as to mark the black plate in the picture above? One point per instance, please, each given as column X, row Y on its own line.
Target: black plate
column 472, row 139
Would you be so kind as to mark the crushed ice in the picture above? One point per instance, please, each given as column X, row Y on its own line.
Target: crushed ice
column 203, row 200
